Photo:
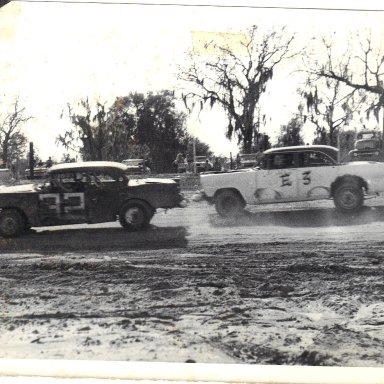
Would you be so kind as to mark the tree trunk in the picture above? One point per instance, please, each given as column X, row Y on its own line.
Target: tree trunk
column 247, row 140
column 4, row 155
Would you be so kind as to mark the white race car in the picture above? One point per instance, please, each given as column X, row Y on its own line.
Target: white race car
column 292, row 174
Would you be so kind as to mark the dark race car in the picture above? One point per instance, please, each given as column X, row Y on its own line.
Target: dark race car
column 89, row 192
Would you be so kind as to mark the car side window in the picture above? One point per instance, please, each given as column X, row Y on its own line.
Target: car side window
column 68, row 182
column 314, row 159
column 104, row 176
column 281, row 161
column 101, row 178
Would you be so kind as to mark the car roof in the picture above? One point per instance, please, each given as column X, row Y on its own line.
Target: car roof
column 327, row 149
column 87, row 165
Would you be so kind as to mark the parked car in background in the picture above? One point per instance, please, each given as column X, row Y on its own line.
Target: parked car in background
column 136, row 166
column 89, row 192
column 246, row 160
column 291, row 174
column 39, row 172
column 368, row 147
column 203, row 164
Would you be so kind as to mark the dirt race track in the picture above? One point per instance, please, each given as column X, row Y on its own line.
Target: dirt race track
column 292, row 284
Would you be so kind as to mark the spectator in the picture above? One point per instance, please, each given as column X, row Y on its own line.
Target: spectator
column 238, row 161
column 49, row 162
column 216, row 164
column 179, row 160
column 147, row 165
column 190, row 162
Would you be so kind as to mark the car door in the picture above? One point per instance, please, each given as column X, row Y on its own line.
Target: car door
column 317, row 171
column 62, row 201
column 102, row 196
column 277, row 180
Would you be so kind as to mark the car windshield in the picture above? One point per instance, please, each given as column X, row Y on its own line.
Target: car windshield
column 43, row 183
column 367, row 144
column 367, row 135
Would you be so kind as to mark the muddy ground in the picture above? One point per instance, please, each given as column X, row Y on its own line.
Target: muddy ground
column 289, row 284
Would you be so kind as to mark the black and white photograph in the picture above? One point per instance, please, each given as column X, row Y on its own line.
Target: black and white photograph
column 195, row 183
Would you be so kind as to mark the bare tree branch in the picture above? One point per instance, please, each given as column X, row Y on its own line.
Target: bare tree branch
column 236, row 80
column 12, row 140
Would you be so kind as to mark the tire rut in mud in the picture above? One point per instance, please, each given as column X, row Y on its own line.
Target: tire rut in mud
column 274, row 303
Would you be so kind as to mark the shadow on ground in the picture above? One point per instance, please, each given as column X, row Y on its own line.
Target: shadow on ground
column 95, row 239
column 314, row 217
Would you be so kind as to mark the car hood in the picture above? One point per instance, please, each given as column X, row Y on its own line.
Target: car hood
column 355, row 164
column 133, row 182
column 18, row 188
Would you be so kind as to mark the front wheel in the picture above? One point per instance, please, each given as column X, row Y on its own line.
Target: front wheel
column 11, row 223
column 348, row 197
column 135, row 216
column 229, row 204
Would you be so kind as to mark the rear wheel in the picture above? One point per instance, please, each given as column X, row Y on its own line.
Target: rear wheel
column 135, row 216
column 229, row 204
column 11, row 223
column 348, row 197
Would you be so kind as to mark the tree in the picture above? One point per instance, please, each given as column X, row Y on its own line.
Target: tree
column 159, row 125
column 362, row 72
column 236, row 80
column 89, row 136
column 346, row 142
column 101, row 134
column 330, row 104
column 136, row 126
column 201, row 148
column 153, row 122
column 290, row 134
column 12, row 140
column 261, row 143
column 329, row 109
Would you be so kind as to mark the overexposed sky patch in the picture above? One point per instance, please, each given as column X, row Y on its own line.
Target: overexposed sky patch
column 52, row 54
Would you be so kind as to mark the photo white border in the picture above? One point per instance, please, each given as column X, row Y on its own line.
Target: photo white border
column 31, row 370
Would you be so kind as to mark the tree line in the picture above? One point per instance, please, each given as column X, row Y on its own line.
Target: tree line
column 338, row 88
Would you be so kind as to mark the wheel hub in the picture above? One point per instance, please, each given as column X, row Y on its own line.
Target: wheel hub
column 8, row 225
column 133, row 216
column 348, row 199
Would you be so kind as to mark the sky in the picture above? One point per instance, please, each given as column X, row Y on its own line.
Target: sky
column 52, row 54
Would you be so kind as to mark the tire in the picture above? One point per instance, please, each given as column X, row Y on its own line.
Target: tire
column 348, row 197
column 135, row 216
column 11, row 223
column 229, row 204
